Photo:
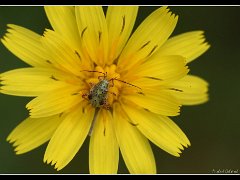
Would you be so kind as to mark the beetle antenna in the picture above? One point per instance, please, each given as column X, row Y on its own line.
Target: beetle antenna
column 105, row 74
column 125, row 83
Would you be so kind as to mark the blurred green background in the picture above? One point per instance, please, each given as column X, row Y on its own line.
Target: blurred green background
column 213, row 128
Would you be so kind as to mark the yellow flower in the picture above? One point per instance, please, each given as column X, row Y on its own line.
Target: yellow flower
column 145, row 81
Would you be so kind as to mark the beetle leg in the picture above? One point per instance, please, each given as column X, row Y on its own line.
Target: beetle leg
column 112, row 93
column 112, row 85
column 106, row 105
column 85, row 96
column 91, row 84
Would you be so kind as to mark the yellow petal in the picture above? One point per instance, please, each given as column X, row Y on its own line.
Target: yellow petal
column 191, row 90
column 93, row 32
column 63, row 21
column 135, row 148
column 157, row 101
column 62, row 56
column 120, row 21
column 148, row 37
column 26, row 45
column 54, row 102
column 69, row 137
column 32, row 133
column 32, row 81
column 190, row 45
column 165, row 135
column 103, row 148
column 176, row 130
column 165, row 69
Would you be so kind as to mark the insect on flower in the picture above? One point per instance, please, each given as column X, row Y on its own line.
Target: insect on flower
column 99, row 92
column 113, row 54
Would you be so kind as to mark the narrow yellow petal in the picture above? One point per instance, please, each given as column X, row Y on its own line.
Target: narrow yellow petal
column 177, row 130
column 93, row 32
column 165, row 69
column 120, row 21
column 135, row 148
column 191, row 90
column 157, row 101
column 148, row 37
column 32, row 133
column 165, row 135
column 103, row 148
column 190, row 45
column 63, row 56
column 26, row 45
column 54, row 102
column 32, row 81
column 69, row 137
column 63, row 21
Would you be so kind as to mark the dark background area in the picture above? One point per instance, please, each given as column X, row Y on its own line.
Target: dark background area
column 213, row 128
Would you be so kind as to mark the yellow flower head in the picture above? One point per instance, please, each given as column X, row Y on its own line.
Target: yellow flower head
column 90, row 76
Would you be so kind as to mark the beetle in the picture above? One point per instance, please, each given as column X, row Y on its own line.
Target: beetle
column 98, row 93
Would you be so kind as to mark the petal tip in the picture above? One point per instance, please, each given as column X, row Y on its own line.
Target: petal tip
column 46, row 159
column 176, row 17
column 9, row 138
column 177, row 154
column 57, row 167
column 12, row 26
column 207, row 45
column 17, row 152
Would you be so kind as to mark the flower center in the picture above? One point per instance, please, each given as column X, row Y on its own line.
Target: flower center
column 102, row 86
